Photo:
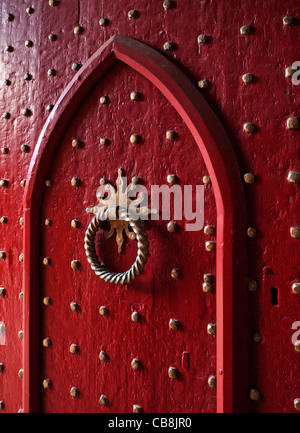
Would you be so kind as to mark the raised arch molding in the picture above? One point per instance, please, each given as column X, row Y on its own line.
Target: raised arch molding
column 220, row 161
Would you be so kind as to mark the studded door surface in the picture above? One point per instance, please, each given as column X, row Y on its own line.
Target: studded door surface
column 141, row 346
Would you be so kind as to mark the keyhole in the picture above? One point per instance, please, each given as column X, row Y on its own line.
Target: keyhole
column 274, row 296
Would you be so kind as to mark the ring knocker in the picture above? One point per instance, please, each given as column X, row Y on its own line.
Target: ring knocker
column 120, row 219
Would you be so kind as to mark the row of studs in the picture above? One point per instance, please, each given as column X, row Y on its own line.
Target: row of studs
column 136, row 364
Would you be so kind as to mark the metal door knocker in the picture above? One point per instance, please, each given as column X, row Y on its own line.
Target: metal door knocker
column 116, row 210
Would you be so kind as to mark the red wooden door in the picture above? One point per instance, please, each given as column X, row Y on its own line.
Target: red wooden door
column 155, row 295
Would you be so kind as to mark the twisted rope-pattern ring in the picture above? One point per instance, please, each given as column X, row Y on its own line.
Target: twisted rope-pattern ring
column 142, row 253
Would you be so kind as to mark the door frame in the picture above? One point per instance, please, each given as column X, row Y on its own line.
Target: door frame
column 220, row 160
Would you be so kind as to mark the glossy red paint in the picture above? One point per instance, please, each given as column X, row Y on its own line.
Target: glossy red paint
column 221, row 163
column 272, row 202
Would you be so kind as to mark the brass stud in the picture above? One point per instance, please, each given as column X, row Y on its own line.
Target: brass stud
column 295, row 232
column 171, row 179
column 287, row 21
column 47, row 301
column 210, row 246
column 78, row 30
column 2, row 292
column 174, row 324
column 172, row 227
column 2, row 405
column 20, row 373
column 203, row 39
column 75, row 223
column 10, row 17
column 297, row 403
column 47, row 342
column 28, row 43
column 52, row 37
column 134, row 96
column 103, row 311
column 20, row 410
column 49, row 107
column 104, row 100
column 27, row 77
column 21, row 258
column 51, row 72
column 135, row 138
column 1, row 367
column 176, row 273
column 169, row 46
column 76, row 143
column 254, row 394
column 21, row 221
column 103, row 400
column 21, row 296
column 102, row 181
column 25, row 148
column 246, row 30
column 76, row 66
column 249, row 178
column 135, row 316
column 252, row 285
column 171, row 135
column 133, row 14
column 297, row 346
column 207, row 287
column 135, row 180
column 29, row 10
column 74, row 392
column 74, row 348
column 296, row 288
column 251, row 232
column 206, row 180
column 26, row 112
column 136, row 409
column 292, row 123
column 9, row 48
column 293, row 177
column 46, row 261
column 47, row 383
column 289, row 71
column 20, row 334
column 74, row 307
column 48, row 182
column 136, row 364
column 211, row 329
column 48, row 222
column 23, row 183
column 173, row 372
column 212, row 381
column 249, row 127
column 203, row 84
column 53, row 3
column 103, row 356
column 4, row 150
column 208, row 278
column 168, row 4
column 2, row 255
column 6, row 115
column 3, row 220
column 257, row 337
column 103, row 22
column 75, row 181
column 247, row 78
column 75, row 264
column 209, row 230
column 104, row 141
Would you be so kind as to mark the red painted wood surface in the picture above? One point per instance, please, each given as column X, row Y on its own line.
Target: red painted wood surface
column 269, row 153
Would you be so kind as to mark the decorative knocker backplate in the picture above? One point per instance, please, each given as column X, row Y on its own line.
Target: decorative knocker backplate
column 116, row 210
